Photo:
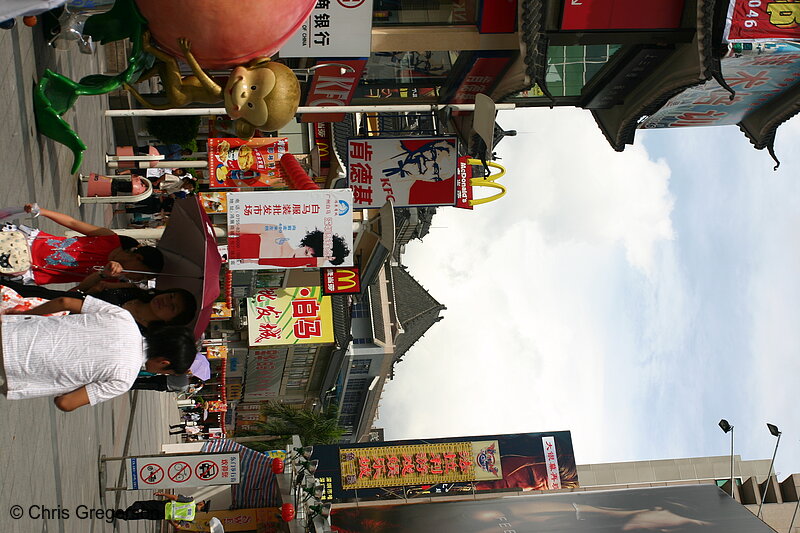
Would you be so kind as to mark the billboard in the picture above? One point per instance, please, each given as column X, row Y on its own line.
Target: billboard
column 758, row 73
column 410, row 171
column 290, row 229
column 296, row 315
column 409, row 468
column 253, row 163
column 621, row 14
column 760, row 20
column 678, row 509
column 264, row 370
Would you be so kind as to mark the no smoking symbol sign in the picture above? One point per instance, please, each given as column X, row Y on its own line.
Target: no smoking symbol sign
column 151, row 474
column 179, row 471
column 206, row 470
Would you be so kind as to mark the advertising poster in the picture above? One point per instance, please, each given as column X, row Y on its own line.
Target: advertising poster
column 290, row 229
column 295, row 315
column 263, row 376
column 763, row 20
column 757, row 72
column 677, row 509
column 412, row 468
column 214, row 201
column 178, row 471
column 237, row 163
column 411, row 172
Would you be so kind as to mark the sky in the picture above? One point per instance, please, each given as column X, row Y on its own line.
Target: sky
column 634, row 298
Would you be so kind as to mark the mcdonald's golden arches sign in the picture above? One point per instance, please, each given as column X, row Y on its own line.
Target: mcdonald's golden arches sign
column 341, row 280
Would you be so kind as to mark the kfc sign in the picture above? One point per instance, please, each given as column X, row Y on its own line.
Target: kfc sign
column 333, row 85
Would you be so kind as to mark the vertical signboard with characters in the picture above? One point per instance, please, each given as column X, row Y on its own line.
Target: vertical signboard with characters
column 297, row 315
column 253, row 163
column 411, row 172
column 290, row 229
column 177, row 471
column 411, row 468
column 763, row 20
column 334, row 28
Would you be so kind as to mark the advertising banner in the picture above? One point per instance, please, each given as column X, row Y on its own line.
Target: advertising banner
column 333, row 85
column 678, row 509
column 296, row 315
column 481, row 76
column 757, row 72
column 760, row 20
column 236, row 520
column 290, row 229
column 263, row 374
column 341, row 280
column 253, row 163
column 411, row 171
column 214, row 201
column 412, row 468
column 177, row 471
column 621, row 14
column 334, row 28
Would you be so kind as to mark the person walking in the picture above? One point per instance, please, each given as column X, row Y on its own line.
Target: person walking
column 173, row 508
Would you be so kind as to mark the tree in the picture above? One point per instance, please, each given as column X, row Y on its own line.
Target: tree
column 283, row 421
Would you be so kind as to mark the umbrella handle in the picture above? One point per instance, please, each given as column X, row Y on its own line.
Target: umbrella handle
column 151, row 273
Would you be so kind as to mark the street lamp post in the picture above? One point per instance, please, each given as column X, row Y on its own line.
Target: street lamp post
column 727, row 428
column 773, row 429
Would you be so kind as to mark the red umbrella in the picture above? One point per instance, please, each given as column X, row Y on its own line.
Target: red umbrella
column 191, row 257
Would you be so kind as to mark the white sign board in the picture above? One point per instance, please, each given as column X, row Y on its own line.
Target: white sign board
column 176, row 471
column 290, row 229
column 335, row 28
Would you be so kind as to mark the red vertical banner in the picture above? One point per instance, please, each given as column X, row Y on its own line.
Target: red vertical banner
column 621, row 14
column 759, row 20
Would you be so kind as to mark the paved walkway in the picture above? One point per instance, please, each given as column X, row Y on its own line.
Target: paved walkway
column 49, row 459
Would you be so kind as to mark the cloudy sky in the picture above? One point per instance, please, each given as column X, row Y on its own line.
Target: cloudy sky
column 633, row 298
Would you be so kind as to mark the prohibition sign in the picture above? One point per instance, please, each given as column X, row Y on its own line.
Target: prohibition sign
column 151, row 474
column 179, row 471
column 206, row 470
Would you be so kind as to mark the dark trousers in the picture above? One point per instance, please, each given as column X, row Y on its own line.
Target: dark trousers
column 143, row 510
column 36, row 291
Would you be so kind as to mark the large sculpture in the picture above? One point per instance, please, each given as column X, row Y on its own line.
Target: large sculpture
column 207, row 34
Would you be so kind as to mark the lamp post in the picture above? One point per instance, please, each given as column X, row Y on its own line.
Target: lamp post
column 773, row 429
column 727, row 428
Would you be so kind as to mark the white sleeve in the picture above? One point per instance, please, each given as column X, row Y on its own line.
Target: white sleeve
column 105, row 390
column 96, row 305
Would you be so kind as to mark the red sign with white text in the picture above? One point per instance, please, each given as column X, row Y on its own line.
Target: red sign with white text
column 498, row 16
column 759, row 20
column 480, row 78
column 333, row 85
column 621, row 14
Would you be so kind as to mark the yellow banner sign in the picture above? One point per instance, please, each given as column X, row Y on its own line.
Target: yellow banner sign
column 297, row 315
column 420, row 464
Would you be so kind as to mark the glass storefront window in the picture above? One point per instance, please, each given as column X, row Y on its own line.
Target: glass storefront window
column 418, row 75
column 570, row 68
column 424, row 12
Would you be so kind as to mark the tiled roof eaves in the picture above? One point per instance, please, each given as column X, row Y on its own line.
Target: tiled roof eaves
column 761, row 126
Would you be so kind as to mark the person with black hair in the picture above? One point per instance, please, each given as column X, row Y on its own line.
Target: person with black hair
column 91, row 355
column 272, row 248
column 71, row 259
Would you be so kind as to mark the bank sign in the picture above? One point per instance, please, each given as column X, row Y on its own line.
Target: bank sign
column 335, row 28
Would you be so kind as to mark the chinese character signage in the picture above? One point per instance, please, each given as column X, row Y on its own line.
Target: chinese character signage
column 253, row 163
column 412, row 468
column 341, row 280
column 621, row 15
column 296, row 315
column 335, row 28
column 759, row 20
column 420, row 464
column 678, row 509
column 411, row 172
column 757, row 72
column 178, row 471
column 263, row 374
column 290, row 229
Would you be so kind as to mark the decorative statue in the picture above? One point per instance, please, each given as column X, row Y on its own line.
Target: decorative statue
column 211, row 34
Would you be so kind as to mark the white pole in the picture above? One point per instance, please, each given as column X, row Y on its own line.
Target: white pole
column 201, row 111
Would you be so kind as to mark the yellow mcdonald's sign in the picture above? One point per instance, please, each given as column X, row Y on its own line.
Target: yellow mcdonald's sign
column 488, row 182
column 341, row 280
column 323, row 149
